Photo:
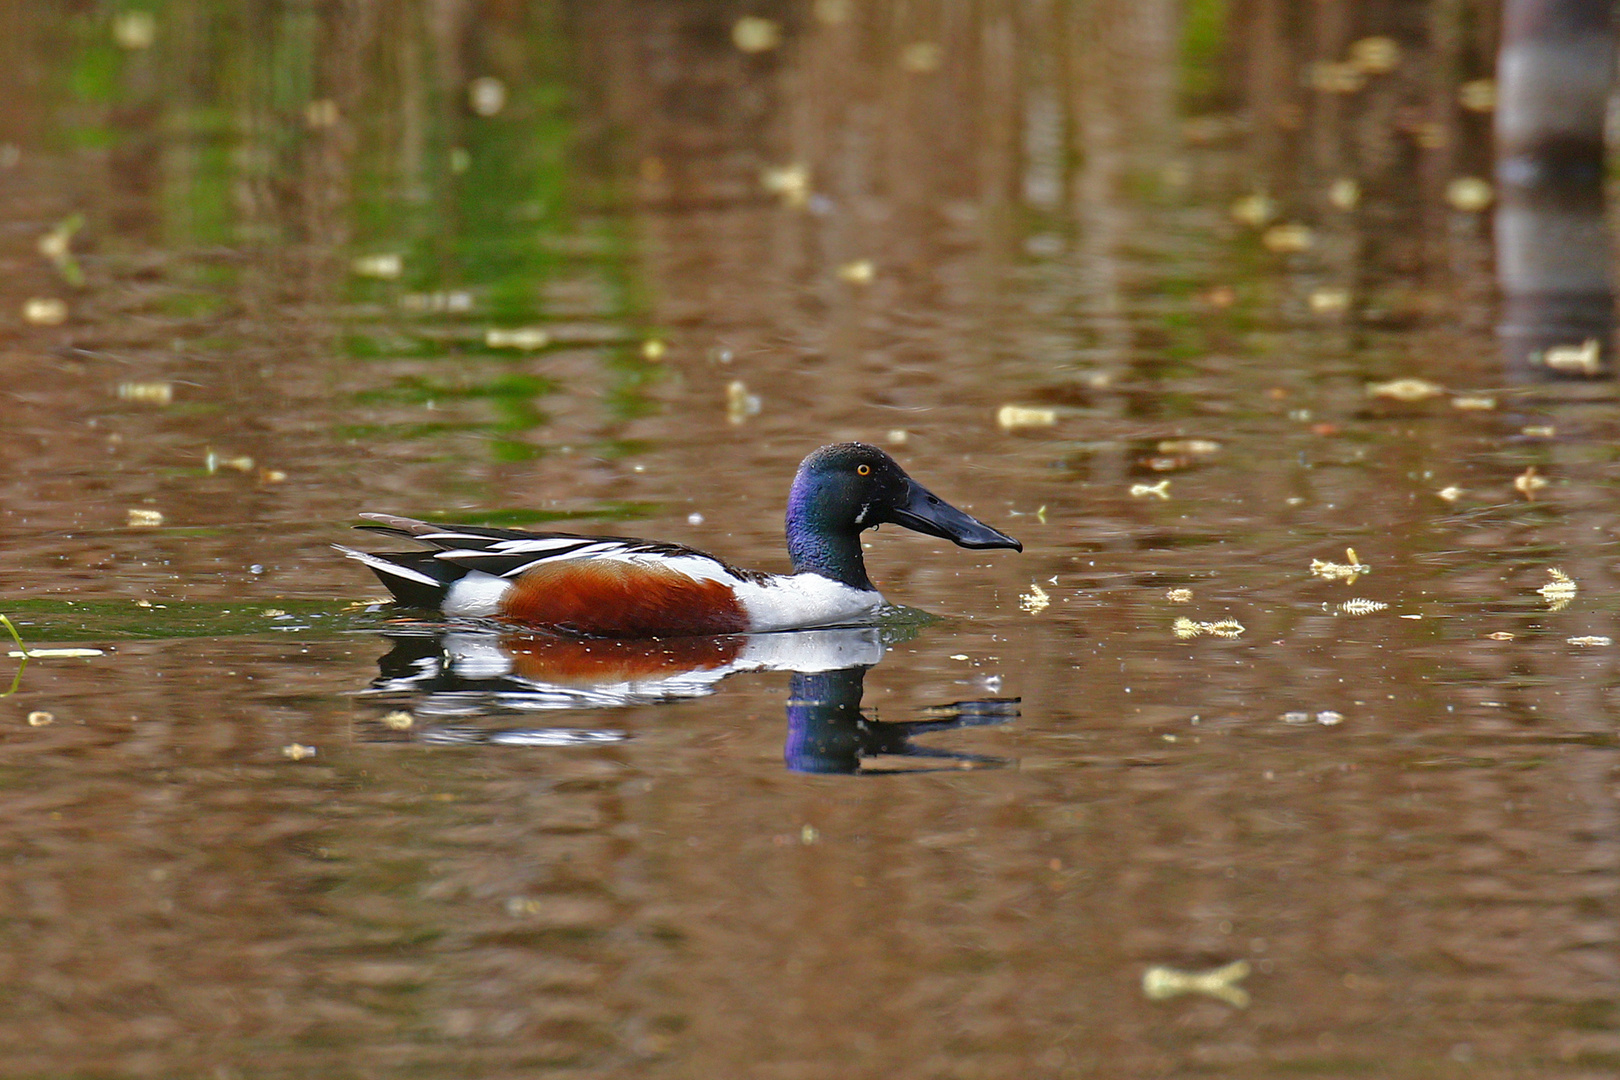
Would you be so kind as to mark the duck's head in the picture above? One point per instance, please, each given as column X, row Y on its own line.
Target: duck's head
column 844, row 489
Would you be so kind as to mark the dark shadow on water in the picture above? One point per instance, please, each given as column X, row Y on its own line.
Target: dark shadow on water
column 444, row 687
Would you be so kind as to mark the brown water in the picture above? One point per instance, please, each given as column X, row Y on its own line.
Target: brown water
column 1403, row 820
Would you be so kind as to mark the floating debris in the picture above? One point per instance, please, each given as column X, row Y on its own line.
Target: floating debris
column 1559, row 591
column 1590, row 639
column 39, row 718
column 1451, row 494
column 1035, row 601
column 145, row 519
column 1473, row 403
column 1538, row 431
column 1375, row 55
column 740, row 404
column 486, row 95
column 398, row 720
column 385, row 266
column 134, row 30
column 1331, row 77
column 1360, row 606
column 526, row 338
column 897, row 437
column 45, row 311
column 297, row 751
column 30, row 654
column 443, row 301
column 833, row 12
column 1327, row 718
column 1014, row 417
column 57, row 246
column 1288, row 239
column 320, row 114
column 653, row 350
column 921, row 57
column 753, row 34
column 1161, row 489
column 1348, row 571
column 214, row 461
column 1582, row 359
column 1470, row 194
column 1344, row 193
column 1159, row 983
column 1329, row 301
column 1479, row 95
column 1195, row 447
column 1185, row 628
column 790, row 182
column 1254, row 211
column 1405, row 389
column 147, row 393
column 1502, row 635
column 859, row 272
column 1528, row 483
column 1178, row 596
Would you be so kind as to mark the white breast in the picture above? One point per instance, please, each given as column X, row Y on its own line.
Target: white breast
column 799, row 601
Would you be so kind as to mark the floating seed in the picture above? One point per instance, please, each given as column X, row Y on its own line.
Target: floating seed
column 1473, row 403
column 39, row 718
column 1538, row 431
column 859, row 272
column 1185, row 628
column 740, row 404
column 147, row 393
column 1344, row 193
column 1360, row 606
column 753, row 34
column 1502, row 635
column 1289, row 238
column 1036, row 600
column 921, row 57
column 1375, row 55
column 321, row 113
column 1196, row 447
column 1347, row 571
column 145, row 519
column 134, row 30
column 45, row 311
column 297, row 751
column 385, row 266
column 399, row 720
column 1159, row 983
column 1450, row 494
column 486, row 95
column 1014, row 417
column 790, row 182
column 1330, row 301
column 1559, row 591
column 1254, row 210
column 1528, row 483
column 1582, row 359
column 1470, row 194
column 653, row 350
column 527, row 338
column 1329, row 718
column 1478, row 95
column 1178, row 596
column 1590, row 640
column 1405, row 389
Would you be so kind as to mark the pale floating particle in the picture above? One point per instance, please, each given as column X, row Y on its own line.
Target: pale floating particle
column 1344, row 193
column 444, row 300
column 790, row 182
column 1254, row 210
column 134, row 30
column 386, row 265
column 832, row 12
column 858, row 272
column 1161, row 489
column 1185, row 628
column 1470, row 194
column 1582, row 359
column 1219, row 297
column 297, row 751
column 921, row 57
column 39, row 718
column 959, row 656
column 1559, row 591
column 1473, row 402
column 1040, row 516
column 1405, row 389
column 753, row 34
column 1330, row 300
column 214, row 461
column 653, row 350
column 1159, row 983
column 486, row 95
column 1178, row 596
column 45, row 653
column 1014, row 417
column 897, row 437
column 524, row 338
column 321, row 113
column 45, row 311
column 272, row 476
column 1477, row 95
column 1035, row 601
column 1332, row 77
column 1528, row 483
column 145, row 519
column 1348, row 571
column 10, row 155
column 694, row 518
column 1538, row 431
column 147, row 393
column 1375, row 55
column 398, row 720
column 1361, row 606
column 1329, row 718
column 1196, row 447
column 518, row 906
column 460, row 160
column 1451, row 494
column 1590, row 640
column 1288, row 238
column 740, row 404
column 1295, row 717
column 1502, row 635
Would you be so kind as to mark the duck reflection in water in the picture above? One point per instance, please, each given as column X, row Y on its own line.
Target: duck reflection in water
column 432, row 683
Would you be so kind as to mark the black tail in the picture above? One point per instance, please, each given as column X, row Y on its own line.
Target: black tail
column 416, row 578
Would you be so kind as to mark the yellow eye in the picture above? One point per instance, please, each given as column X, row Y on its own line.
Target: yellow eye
column 864, row 470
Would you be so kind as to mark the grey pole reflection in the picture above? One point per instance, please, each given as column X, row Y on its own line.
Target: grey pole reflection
column 1553, row 252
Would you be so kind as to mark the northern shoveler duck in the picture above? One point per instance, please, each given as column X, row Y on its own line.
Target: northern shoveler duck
column 612, row 586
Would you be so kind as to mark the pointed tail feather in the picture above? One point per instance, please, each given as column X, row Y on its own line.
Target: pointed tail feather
column 416, row 578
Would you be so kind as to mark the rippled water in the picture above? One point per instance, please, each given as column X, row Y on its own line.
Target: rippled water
column 311, row 268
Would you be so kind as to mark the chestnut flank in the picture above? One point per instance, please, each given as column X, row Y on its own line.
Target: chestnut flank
column 614, row 598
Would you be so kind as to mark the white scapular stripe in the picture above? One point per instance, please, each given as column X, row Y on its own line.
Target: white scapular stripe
column 387, row 567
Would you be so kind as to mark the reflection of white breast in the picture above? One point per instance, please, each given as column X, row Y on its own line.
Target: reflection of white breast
column 812, row 650
column 786, row 602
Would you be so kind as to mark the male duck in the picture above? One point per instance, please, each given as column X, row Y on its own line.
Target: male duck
column 610, row 586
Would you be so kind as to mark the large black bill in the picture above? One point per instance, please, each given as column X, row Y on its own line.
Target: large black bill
column 926, row 512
